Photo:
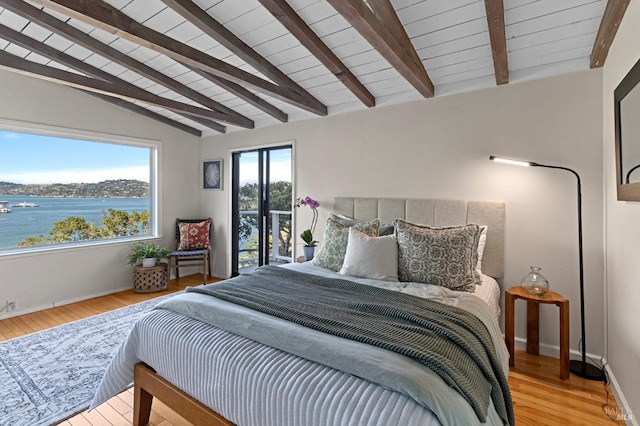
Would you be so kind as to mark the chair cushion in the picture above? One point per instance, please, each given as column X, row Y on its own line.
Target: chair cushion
column 194, row 236
column 189, row 253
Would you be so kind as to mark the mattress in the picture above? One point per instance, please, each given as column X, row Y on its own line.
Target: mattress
column 251, row 383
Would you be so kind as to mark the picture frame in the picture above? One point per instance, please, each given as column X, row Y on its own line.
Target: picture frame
column 212, row 175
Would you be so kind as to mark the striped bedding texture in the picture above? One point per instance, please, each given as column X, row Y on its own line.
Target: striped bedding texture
column 254, row 384
column 447, row 340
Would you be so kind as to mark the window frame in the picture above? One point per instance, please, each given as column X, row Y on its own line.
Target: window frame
column 155, row 190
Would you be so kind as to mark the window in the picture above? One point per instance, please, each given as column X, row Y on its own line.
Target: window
column 56, row 191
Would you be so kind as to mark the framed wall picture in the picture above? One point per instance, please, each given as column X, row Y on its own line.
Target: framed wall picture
column 212, row 174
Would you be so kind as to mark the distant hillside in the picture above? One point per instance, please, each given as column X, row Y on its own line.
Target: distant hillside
column 120, row 188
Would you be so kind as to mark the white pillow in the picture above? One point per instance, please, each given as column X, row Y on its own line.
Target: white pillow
column 371, row 257
column 481, row 243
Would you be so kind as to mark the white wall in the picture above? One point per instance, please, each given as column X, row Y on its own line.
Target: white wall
column 622, row 255
column 39, row 280
column 439, row 148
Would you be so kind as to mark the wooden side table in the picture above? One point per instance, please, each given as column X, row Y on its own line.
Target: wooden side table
column 533, row 324
column 150, row 279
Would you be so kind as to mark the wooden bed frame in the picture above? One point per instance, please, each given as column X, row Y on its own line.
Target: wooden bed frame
column 148, row 384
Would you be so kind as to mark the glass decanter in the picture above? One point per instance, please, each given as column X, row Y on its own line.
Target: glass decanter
column 534, row 282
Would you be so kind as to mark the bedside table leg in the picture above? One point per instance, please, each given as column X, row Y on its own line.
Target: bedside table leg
column 564, row 340
column 509, row 326
column 533, row 328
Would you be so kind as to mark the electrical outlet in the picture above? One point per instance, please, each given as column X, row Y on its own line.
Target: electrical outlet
column 9, row 306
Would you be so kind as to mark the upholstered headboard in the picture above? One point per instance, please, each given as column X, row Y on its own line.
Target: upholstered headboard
column 437, row 213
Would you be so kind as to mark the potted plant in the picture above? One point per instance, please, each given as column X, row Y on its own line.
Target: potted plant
column 148, row 254
column 307, row 234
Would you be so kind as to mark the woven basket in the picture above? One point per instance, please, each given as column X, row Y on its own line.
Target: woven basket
column 149, row 280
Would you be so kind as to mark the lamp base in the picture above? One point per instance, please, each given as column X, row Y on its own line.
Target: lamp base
column 585, row 370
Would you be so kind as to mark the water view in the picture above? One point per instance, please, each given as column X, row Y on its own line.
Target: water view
column 25, row 222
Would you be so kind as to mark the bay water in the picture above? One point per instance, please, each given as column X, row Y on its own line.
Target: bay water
column 25, row 222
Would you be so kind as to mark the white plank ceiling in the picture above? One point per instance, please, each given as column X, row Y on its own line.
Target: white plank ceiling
column 450, row 37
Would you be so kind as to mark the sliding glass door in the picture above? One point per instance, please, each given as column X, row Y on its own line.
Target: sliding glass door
column 261, row 208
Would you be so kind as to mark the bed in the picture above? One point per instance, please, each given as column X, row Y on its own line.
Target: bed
column 218, row 361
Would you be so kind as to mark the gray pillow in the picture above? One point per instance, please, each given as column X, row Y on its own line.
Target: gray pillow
column 386, row 229
column 344, row 220
column 335, row 239
column 445, row 257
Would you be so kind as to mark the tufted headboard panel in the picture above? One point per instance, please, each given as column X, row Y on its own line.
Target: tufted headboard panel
column 435, row 212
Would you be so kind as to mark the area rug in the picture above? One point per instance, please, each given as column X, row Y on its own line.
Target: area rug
column 48, row 376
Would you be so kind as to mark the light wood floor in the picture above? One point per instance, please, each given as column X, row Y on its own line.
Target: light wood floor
column 540, row 397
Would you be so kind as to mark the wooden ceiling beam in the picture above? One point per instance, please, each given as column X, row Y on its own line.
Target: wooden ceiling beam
column 65, row 30
column 101, row 15
column 22, row 66
column 201, row 19
column 244, row 94
column 384, row 11
column 284, row 13
column 497, row 35
column 55, row 55
column 144, row 112
column 358, row 14
column 208, row 123
column 613, row 14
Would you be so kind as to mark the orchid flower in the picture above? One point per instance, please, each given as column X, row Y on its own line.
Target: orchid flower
column 307, row 235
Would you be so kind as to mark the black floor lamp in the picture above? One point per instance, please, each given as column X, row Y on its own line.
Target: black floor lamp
column 580, row 367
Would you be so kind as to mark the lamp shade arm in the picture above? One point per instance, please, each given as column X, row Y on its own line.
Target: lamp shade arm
column 580, row 251
column 559, row 168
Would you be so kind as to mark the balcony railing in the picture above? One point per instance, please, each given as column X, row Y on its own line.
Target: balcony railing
column 274, row 255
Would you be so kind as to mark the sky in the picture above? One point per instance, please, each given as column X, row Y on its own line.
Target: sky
column 280, row 166
column 36, row 159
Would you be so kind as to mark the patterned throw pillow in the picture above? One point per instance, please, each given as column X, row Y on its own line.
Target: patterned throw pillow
column 344, row 220
column 334, row 242
column 385, row 228
column 445, row 257
column 194, row 236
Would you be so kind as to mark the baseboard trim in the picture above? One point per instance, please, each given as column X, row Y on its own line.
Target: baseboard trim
column 553, row 351
column 55, row 304
column 626, row 413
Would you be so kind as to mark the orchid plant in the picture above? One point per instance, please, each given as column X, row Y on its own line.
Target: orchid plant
column 307, row 235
